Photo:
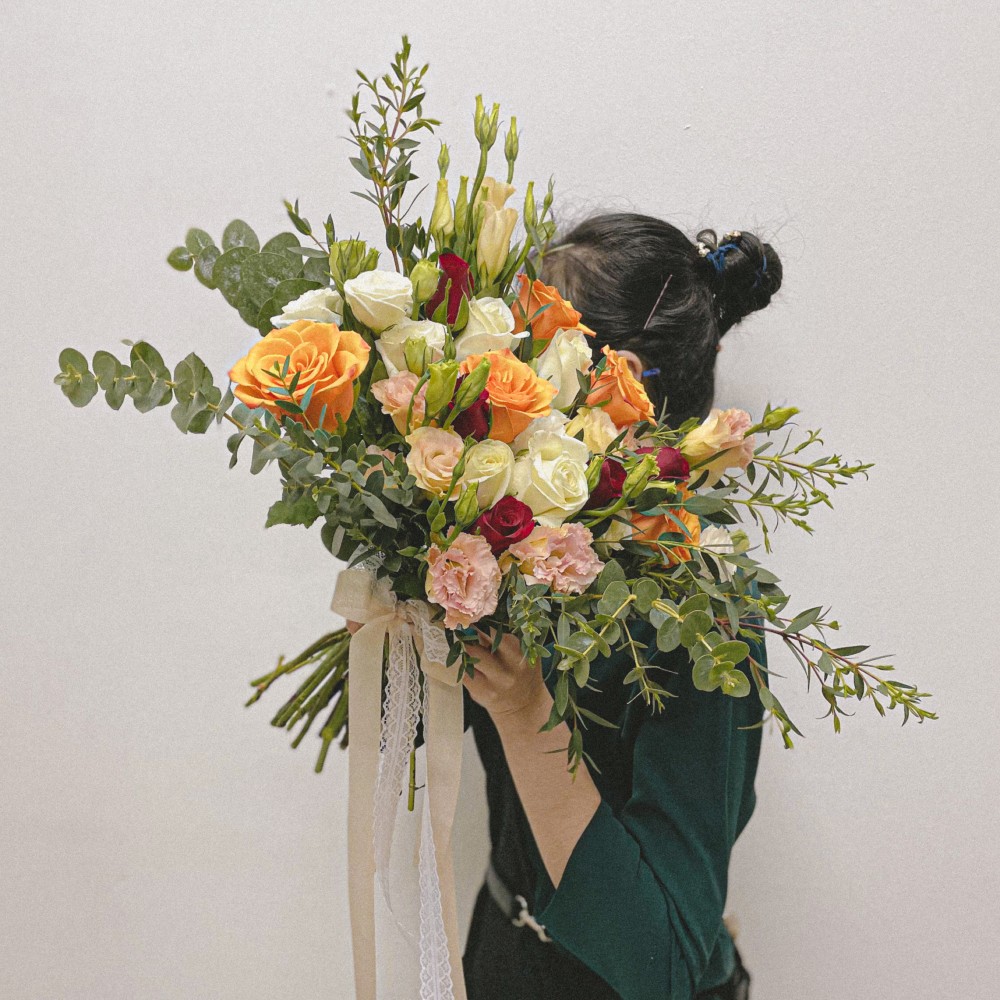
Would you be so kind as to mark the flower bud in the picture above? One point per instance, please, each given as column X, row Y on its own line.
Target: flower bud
column 442, row 376
column 424, row 277
column 493, row 244
column 510, row 147
column 442, row 218
column 639, row 476
column 472, row 386
column 417, row 354
column 530, row 213
column 467, row 507
column 444, row 159
column 594, row 472
column 349, row 258
column 462, row 205
column 775, row 419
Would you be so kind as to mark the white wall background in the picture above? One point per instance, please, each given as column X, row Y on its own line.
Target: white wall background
column 158, row 841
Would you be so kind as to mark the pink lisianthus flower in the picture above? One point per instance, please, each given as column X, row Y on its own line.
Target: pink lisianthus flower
column 562, row 557
column 721, row 434
column 464, row 579
column 395, row 394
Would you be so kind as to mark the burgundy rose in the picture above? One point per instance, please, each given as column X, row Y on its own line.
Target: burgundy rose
column 508, row 521
column 670, row 462
column 456, row 271
column 473, row 421
column 609, row 486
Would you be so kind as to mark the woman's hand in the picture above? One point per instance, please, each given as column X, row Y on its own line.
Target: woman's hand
column 506, row 684
column 352, row 627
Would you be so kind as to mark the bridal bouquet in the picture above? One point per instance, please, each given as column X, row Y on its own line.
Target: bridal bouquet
column 435, row 408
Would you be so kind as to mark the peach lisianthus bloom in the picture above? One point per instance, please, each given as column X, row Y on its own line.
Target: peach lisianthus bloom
column 721, row 434
column 625, row 400
column 464, row 579
column 560, row 314
column 396, row 393
column 562, row 557
column 433, row 455
column 517, row 394
column 326, row 359
column 647, row 529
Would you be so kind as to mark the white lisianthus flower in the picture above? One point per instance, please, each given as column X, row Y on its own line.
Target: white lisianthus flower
column 611, row 541
column 379, row 298
column 598, row 428
column 489, row 468
column 552, row 477
column 554, row 421
column 320, row 305
column 490, row 328
column 567, row 354
column 716, row 539
column 392, row 343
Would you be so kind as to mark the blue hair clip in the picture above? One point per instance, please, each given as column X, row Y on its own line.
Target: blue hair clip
column 649, row 372
column 718, row 255
column 761, row 272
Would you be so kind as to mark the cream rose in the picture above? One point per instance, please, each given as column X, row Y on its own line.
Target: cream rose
column 379, row 298
column 554, row 421
column 489, row 467
column 721, row 434
column 598, row 428
column 321, row 305
column 552, row 477
column 567, row 354
column 490, row 328
column 432, row 458
column 391, row 345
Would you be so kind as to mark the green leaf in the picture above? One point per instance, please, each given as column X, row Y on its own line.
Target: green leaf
column 301, row 511
column 611, row 573
column 180, row 259
column 804, row 620
column 696, row 625
column 700, row 602
column 260, row 276
column 704, row 504
column 734, row 650
column 75, row 379
column 702, row 674
column 668, row 635
column 646, row 591
column 204, row 266
column 197, row 240
column 735, row 683
column 282, row 244
column 228, row 272
column 107, row 368
column 239, row 234
column 616, row 595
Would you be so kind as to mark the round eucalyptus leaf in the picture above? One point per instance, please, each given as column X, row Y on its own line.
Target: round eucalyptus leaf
column 701, row 674
column 239, row 234
column 197, row 240
column 695, row 625
column 261, row 275
column 107, row 368
column 72, row 361
column 317, row 269
column 205, row 264
column 248, row 309
column 646, row 591
column 282, row 244
column 668, row 635
column 228, row 270
column 736, row 684
column 180, row 259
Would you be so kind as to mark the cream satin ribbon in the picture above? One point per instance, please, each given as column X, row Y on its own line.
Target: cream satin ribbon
column 360, row 597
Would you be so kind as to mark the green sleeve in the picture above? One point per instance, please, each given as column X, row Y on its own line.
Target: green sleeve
column 641, row 899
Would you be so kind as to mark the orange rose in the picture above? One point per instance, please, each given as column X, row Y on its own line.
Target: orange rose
column 327, row 359
column 647, row 528
column 517, row 394
column 627, row 402
column 560, row 314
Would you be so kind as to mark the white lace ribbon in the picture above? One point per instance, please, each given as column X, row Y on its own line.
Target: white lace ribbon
column 380, row 744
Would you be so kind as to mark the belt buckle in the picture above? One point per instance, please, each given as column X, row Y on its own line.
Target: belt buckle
column 525, row 919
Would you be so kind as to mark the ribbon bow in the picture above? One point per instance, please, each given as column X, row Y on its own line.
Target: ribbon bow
column 380, row 743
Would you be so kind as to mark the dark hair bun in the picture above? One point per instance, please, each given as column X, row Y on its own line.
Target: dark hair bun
column 742, row 272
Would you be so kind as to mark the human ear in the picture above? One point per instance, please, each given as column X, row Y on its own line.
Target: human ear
column 634, row 362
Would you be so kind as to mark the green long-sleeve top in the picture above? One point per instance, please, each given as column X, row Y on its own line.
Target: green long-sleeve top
column 640, row 902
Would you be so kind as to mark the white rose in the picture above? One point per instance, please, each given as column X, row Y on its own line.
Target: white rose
column 490, row 328
column 598, row 428
column 321, row 305
column 552, row 478
column 489, row 466
column 554, row 421
column 717, row 539
column 392, row 343
column 379, row 298
column 567, row 354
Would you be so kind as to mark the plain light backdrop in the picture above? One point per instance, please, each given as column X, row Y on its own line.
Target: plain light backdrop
column 158, row 841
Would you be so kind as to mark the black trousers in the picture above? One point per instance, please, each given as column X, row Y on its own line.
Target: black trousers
column 504, row 962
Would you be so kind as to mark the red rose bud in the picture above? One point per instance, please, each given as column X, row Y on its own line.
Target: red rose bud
column 669, row 461
column 508, row 521
column 456, row 271
column 474, row 420
column 609, row 486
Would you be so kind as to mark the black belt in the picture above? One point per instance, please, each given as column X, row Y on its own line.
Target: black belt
column 514, row 907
